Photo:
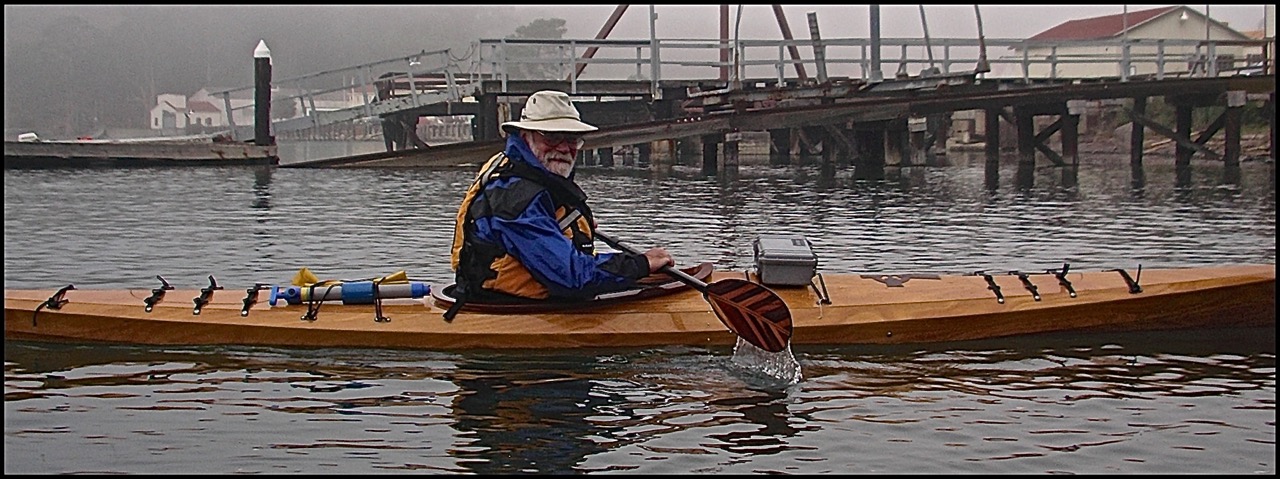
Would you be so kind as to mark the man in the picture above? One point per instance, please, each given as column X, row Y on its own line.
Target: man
column 524, row 230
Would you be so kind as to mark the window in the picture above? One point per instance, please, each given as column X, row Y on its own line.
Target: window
column 1226, row 62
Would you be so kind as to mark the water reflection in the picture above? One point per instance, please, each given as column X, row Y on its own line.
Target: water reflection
column 526, row 418
column 773, row 424
column 1182, row 172
column 1231, row 174
column 1070, row 177
column 262, row 187
column 1028, row 404
column 1026, row 176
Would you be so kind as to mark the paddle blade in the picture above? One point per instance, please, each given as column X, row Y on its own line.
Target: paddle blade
column 751, row 311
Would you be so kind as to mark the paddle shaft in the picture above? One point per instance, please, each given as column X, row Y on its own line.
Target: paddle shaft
column 751, row 311
column 680, row 275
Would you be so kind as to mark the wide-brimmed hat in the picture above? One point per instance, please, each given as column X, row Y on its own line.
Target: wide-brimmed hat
column 549, row 110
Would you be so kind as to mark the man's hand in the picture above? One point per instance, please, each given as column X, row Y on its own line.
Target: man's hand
column 658, row 257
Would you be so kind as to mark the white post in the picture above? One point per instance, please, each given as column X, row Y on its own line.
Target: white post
column 655, row 58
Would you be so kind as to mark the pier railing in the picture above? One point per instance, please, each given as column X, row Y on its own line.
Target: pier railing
column 364, row 92
column 357, row 93
column 673, row 59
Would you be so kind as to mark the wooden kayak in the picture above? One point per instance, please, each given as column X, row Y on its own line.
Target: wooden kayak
column 833, row 309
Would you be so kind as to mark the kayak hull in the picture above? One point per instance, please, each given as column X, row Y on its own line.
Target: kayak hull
column 858, row 309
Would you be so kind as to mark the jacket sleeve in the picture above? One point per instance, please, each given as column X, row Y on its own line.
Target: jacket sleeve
column 534, row 238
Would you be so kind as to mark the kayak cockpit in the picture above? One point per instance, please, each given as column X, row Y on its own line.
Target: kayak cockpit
column 654, row 285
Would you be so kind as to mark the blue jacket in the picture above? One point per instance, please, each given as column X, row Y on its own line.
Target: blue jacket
column 508, row 238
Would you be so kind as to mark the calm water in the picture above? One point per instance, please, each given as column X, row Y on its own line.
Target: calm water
column 1201, row 402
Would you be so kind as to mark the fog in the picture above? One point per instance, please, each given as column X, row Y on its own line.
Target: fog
column 73, row 69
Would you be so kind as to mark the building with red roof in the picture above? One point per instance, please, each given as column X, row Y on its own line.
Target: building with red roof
column 1173, row 40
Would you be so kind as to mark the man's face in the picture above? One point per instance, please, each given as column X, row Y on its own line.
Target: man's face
column 555, row 150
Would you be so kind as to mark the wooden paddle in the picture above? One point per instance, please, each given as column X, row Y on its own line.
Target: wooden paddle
column 753, row 312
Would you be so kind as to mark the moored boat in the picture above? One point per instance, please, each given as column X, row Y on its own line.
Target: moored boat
column 831, row 309
column 121, row 153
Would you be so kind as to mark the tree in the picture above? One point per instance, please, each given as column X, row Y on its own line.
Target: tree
column 70, row 70
column 540, row 29
column 284, row 108
column 56, row 90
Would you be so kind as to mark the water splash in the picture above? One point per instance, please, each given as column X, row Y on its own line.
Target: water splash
column 781, row 366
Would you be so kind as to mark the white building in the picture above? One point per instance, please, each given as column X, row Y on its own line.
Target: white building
column 241, row 104
column 207, row 106
column 1177, row 36
column 169, row 113
column 201, row 109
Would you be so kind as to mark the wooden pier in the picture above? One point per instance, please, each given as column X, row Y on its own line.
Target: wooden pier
column 866, row 121
column 887, row 124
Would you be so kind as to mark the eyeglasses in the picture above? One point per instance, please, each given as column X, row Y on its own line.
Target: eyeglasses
column 555, row 139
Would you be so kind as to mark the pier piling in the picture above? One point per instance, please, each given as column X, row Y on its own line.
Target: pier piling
column 262, row 95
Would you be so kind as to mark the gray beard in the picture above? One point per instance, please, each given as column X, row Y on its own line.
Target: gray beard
column 562, row 169
column 558, row 167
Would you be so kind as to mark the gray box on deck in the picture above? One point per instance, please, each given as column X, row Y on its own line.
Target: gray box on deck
column 785, row 260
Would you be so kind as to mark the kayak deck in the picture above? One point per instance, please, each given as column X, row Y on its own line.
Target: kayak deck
column 835, row 309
